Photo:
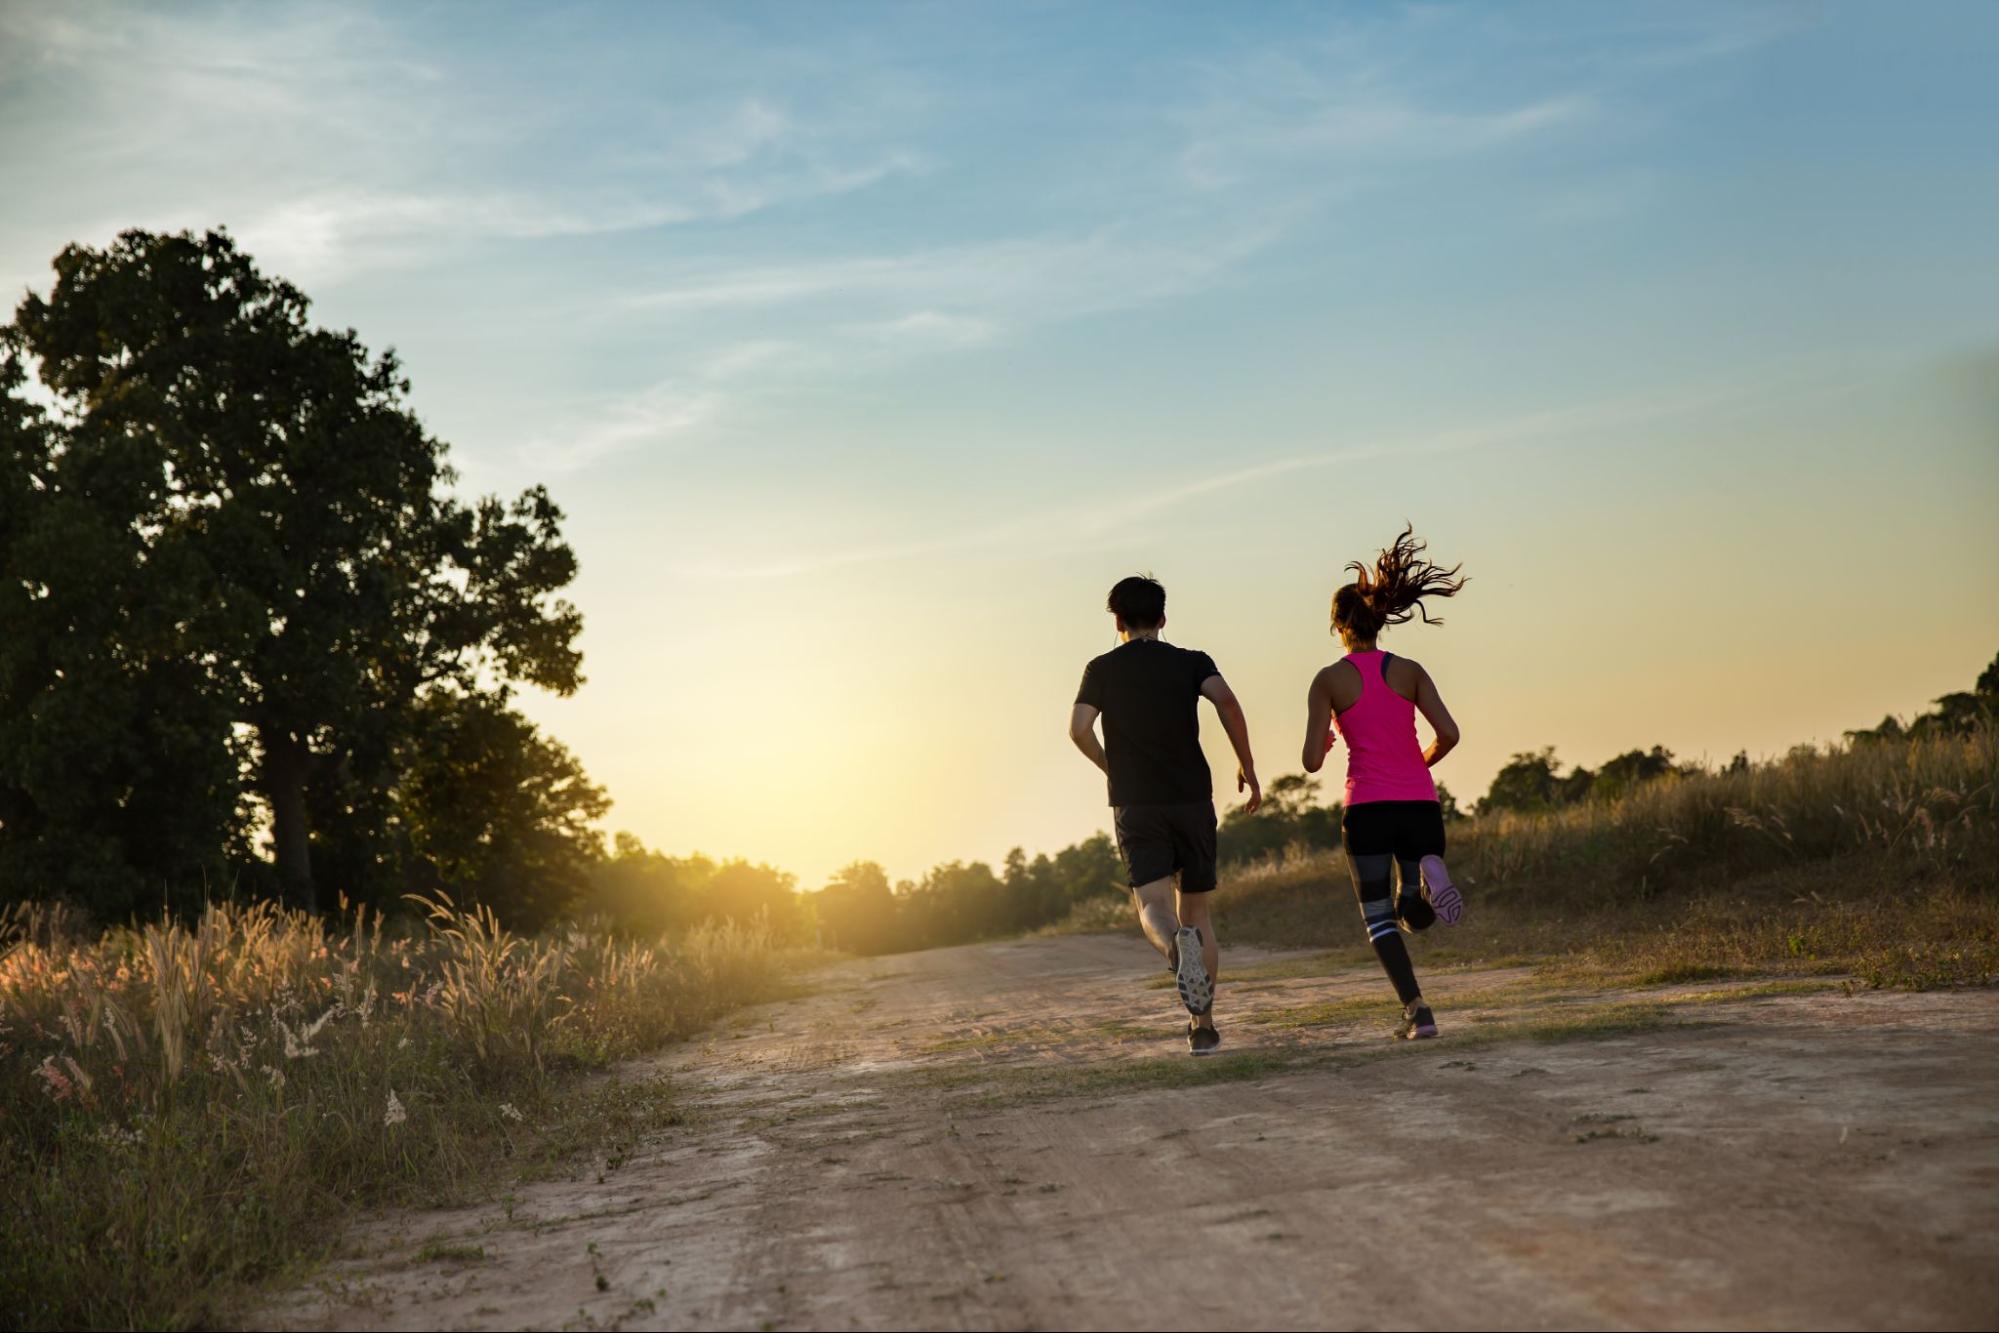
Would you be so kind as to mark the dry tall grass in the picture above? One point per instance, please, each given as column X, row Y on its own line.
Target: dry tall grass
column 1929, row 804
column 186, row 1108
column 1879, row 859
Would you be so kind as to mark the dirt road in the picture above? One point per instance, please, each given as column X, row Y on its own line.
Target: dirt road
column 1012, row 1136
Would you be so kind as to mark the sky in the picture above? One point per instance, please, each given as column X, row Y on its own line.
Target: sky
column 865, row 346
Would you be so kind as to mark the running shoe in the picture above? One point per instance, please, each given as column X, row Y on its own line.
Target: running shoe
column 1196, row 991
column 1443, row 894
column 1417, row 1024
column 1202, row 1040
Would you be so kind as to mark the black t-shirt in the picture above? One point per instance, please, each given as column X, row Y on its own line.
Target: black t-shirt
column 1149, row 694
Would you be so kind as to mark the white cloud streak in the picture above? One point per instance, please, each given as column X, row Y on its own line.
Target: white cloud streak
column 662, row 414
column 1373, row 132
column 1072, row 527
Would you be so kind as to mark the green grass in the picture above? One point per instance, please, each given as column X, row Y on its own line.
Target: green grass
column 1760, row 990
column 1673, row 973
column 1620, row 1133
column 187, row 1112
column 1585, row 1023
column 444, row 1251
column 1011, row 1085
column 1040, row 1034
column 1545, row 1017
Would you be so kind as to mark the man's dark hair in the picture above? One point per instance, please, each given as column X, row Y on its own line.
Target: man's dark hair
column 1139, row 601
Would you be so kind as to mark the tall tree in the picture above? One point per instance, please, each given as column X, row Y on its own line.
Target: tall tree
column 290, row 521
column 495, row 812
column 1527, row 781
column 118, row 779
column 1624, row 773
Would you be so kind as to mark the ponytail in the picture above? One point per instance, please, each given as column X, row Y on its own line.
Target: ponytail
column 1393, row 591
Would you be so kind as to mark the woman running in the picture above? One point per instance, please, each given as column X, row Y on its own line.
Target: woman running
column 1393, row 826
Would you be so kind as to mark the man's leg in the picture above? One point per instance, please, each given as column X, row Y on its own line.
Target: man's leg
column 1146, row 849
column 1194, row 912
column 1155, row 914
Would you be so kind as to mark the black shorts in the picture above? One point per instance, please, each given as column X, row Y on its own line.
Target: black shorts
column 1160, row 840
column 1405, row 830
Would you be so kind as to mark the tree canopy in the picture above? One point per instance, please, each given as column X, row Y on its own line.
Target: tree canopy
column 1533, row 781
column 240, row 593
column 1953, row 714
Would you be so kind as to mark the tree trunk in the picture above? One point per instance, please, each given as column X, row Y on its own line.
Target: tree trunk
column 286, row 763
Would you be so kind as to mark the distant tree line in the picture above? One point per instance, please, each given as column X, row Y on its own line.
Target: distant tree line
column 649, row 893
column 861, row 911
column 957, row 903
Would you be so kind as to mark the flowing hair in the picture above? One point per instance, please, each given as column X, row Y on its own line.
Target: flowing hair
column 1393, row 591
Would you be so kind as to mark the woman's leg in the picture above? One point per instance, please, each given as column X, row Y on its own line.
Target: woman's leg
column 1411, row 907
column 1419, row 833
column 1431, row 882
column 1368, row 836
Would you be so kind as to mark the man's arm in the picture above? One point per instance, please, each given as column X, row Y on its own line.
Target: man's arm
column 1237, row 726
column 1083, row 731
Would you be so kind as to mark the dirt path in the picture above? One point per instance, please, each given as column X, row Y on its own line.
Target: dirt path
column 1011, row 1136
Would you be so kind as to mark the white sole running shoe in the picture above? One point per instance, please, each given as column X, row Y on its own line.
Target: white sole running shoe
column 1419, row 1026
column 1444, row 896
column 1197, row 992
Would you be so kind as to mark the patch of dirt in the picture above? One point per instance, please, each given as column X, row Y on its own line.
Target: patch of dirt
column 1013, row 1136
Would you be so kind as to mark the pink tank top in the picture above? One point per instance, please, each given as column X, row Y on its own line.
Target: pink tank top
column 1384, row 760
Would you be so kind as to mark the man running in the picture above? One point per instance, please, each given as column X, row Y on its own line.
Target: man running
column 1162, row 795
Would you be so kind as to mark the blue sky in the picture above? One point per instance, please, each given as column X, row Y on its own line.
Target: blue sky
column 866, row 345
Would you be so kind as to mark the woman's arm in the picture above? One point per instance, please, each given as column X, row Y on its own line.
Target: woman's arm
column 1318, row 721
column 1431, row 705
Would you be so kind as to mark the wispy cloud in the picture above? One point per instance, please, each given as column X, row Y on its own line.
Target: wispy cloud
column 1248, row 138
column 984, row 287
column 853, row 314
column 1370, row 100
column 1073, row 527
column 332, row 150
column 930, row 328
column 329, row 234
column 653, row 416
column 1260, row 148
column 664, row 413
column 1674, row 40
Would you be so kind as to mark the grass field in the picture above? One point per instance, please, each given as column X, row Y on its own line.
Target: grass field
column 189, row 1110
column 1878, row 861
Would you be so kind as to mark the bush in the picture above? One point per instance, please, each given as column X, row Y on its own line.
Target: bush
column 1862, row 857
